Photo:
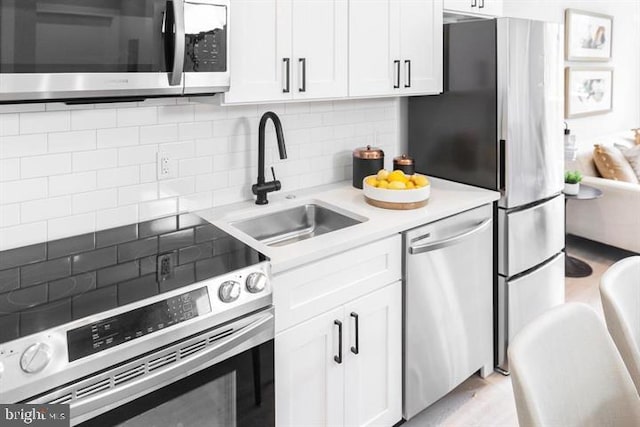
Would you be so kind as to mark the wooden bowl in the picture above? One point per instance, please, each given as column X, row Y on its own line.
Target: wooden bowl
column 396, row 199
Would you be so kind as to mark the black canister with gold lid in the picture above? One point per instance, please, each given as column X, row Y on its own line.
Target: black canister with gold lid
column 405, row 164
column 366, row 161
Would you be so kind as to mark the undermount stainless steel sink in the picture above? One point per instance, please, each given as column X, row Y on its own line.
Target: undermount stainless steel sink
column 295, row 224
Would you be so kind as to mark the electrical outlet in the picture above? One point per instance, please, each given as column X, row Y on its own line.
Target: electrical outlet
column 164, row 165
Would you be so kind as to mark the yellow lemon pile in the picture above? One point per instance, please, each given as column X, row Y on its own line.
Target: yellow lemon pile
column 396, row 180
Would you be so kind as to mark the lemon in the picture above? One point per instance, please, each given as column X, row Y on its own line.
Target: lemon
column 372, row 181
column 420, row 180
column 410, row 185
column 383, row 174
column 397, row 185
column 398, row 176
column 383, row 184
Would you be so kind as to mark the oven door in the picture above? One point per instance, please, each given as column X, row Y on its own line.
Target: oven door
column 220, row 377
column 91, row 48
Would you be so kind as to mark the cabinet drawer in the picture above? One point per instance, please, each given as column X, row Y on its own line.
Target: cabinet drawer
column 306, row 291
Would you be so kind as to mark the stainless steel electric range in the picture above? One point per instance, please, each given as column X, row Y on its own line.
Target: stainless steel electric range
column 167, row 322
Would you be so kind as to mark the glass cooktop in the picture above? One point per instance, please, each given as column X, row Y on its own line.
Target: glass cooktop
column 51, row 283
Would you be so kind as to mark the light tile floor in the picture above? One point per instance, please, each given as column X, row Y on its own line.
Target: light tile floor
column 489, row 402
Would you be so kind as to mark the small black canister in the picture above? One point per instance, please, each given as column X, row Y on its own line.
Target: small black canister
column 366, row 161
column 405, row 164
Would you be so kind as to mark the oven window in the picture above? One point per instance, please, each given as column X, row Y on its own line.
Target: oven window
column 238, row 392
column 72, row 36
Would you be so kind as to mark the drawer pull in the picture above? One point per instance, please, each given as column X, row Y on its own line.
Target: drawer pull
column 356, row 349
column 338, row 358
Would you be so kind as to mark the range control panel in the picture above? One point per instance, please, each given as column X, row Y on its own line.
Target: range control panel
column 108, row 333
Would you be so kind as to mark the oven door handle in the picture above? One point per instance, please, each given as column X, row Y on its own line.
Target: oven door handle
column 247, row 333
column 175, row 76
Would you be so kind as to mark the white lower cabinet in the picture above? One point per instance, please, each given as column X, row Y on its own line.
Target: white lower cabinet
column 343, row 367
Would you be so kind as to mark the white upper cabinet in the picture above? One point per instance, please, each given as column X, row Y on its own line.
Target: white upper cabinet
column 480, row 7
column 320, row 43
column 260, row 40
column 395, row 47
column 284, row 49
column 421, row 46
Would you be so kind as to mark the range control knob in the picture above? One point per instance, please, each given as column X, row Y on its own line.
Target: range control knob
column 256, row 282
column 35, row 358
column 229, row 291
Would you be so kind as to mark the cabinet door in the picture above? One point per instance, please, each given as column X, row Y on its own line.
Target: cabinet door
column 260, row 43
column 309, row 382
column 490, row 7
column 421, row 46
column 320, row 43
column 484, row 7
column 374, row 45
column 374, row 374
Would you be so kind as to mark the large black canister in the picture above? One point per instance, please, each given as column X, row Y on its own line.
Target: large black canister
column 366, row 161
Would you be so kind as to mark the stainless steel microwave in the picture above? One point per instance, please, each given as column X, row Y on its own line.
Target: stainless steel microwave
column 71, row 49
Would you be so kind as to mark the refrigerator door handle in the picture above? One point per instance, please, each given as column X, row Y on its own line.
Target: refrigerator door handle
column 502, row 165
column 449, row 241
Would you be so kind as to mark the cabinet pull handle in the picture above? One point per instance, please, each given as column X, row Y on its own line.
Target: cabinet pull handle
column 356, row 349
column 303, row 63
column 474, row 3
column 397, row 71
column 287, row 72
column 407, row 70
column 481, row 4
column 338, row 358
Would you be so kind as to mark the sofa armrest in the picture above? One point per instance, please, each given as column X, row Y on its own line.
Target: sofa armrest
column 610, row 185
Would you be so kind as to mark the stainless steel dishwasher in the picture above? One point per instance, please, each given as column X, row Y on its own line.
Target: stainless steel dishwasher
column 448, row 305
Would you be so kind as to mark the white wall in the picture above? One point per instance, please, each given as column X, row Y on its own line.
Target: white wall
column 625, row 58
column 70, row 170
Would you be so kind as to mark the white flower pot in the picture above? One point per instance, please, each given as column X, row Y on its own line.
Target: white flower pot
column 571, row 189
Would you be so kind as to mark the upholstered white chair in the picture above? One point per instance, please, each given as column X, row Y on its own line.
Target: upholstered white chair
column 620, row 292
column 567, row 372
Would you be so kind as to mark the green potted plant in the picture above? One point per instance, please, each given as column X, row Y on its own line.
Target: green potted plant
column 572, row 182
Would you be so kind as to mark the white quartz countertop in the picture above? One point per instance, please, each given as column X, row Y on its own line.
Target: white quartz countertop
column 447, row 198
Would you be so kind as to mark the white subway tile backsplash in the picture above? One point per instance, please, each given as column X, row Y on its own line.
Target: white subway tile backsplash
column 118, row 137
column 71, row 225
column 137, row 116
column 9, row 124
column 65, row 170
column 23, row 190
column 94, row 160
column 52, row 164
column 158, row 134
column 60, row 142
column 194, row 130
column 73, row 183
column 177, row 187
column 95, row 200
column 9, row 169
column 137, row 155
column 39, row 210
column 118, row 177
column 22, row 235
column 93, row 119
column 23, row 145
column 176, row 113
column 111, row 218
column 158, row 208
column 50, row 121
column 9, row 215
column 137, row 193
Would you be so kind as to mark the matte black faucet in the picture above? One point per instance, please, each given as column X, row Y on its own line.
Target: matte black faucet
column 262, row 188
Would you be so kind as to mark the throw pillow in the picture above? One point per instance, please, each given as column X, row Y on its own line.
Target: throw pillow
column 632, row 154
column 611, row 164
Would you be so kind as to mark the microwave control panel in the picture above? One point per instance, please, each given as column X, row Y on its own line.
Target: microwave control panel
column 205, row 38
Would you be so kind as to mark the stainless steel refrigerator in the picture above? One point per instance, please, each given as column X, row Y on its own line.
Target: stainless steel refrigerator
column 498, row 125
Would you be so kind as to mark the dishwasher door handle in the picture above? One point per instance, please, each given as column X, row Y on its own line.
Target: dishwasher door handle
column 449, row 241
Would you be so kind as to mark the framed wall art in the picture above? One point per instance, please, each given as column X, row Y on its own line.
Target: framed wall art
column 588, row 91
column 587, row 36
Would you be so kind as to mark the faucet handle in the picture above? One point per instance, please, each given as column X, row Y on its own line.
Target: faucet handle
column 273, row 173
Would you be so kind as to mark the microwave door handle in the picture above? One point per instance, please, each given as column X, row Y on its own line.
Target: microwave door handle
column 449, row 241
column 175, row 76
